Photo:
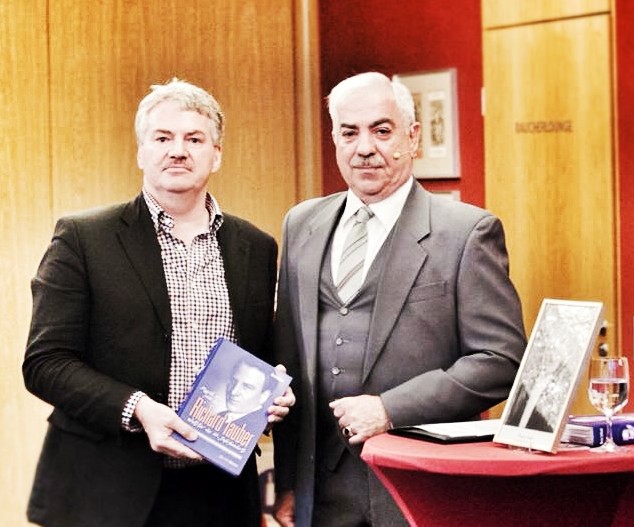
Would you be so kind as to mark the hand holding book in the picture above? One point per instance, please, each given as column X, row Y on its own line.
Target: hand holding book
column 229, row 404
column 281, row 405
column 159, row 421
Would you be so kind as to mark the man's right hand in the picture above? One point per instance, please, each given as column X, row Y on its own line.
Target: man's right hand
column 159, row 421
column 284, row 508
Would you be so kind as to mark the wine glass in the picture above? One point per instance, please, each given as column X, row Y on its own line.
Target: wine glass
column 608, row 391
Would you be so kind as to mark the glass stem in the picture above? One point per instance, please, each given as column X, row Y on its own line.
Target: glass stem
column 608, row 429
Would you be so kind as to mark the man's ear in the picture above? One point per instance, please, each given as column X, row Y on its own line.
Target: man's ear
column 139, row 163
column 218, row 159
column 414, row 136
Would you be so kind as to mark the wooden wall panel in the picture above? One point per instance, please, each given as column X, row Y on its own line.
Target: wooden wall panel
column 105, row 55
column 309, row 102
column 25, row 229
column 549, row 160
column 506, row 13
column 72, row 74
column 624, row 63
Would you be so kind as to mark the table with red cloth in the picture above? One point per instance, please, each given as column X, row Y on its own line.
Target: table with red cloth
column 487, row 484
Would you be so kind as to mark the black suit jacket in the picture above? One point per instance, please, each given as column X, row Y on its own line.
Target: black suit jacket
column 101, row 330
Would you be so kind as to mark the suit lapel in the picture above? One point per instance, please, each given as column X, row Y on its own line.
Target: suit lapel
column 235, row 250
column 401, row 267
column 309, row 263
column 138, row 238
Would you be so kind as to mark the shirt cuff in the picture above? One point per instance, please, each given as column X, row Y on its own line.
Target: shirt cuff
column 128, row 422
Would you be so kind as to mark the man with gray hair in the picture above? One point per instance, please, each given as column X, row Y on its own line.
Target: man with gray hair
column 395, row 308
column 127, row 302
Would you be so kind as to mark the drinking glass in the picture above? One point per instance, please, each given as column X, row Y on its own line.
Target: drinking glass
column 608, row 392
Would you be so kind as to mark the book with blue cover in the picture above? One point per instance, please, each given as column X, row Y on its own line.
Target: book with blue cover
column 227, row 405
column 590, row 430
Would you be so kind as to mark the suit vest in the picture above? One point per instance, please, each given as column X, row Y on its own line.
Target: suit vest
column 343, row 335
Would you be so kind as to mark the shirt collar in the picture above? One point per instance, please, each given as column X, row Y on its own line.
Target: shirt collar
column 163, row 221
column 386, row 211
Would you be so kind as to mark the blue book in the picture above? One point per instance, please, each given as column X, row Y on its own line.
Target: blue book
column 227, row 405
column 591, row 429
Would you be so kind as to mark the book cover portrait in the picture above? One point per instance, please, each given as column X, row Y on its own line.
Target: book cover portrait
column 227, row 405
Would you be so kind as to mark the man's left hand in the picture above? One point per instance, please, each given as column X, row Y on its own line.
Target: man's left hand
column 282, row 404
column 360, row 417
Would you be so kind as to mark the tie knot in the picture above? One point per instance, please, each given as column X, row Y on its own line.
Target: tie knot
column 363, row 215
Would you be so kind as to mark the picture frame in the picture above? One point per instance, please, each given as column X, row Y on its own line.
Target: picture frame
column 556, row 355
column 435, row 100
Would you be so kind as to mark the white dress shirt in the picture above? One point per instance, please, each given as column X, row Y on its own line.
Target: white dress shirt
column 386, row 212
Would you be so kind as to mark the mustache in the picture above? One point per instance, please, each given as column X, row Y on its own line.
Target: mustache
column 367, row 162
column 177, row 164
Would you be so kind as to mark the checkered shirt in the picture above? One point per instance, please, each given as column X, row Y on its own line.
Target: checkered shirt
column 199, row 299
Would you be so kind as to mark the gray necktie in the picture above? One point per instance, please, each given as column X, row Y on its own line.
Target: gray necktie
column 353, row 256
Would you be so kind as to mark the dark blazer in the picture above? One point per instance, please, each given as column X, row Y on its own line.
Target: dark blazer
column 446, row 335
column 101, row 330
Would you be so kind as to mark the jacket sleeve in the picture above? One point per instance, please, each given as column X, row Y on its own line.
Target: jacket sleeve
column 56, row 366
column 491, row 340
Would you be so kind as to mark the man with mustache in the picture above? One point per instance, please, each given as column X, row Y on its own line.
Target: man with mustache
column 127, row 302
column 395, row 308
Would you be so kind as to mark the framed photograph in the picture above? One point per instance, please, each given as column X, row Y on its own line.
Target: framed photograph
column 435, row 99
column 556, row 356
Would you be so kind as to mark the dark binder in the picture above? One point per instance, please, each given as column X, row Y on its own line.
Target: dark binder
column 448, row 433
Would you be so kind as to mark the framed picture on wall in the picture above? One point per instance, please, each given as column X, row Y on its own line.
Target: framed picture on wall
column 435, row 99
column 557, row 354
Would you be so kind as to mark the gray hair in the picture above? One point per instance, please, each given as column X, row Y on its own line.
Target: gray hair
column 189, row 97
column 371, row 80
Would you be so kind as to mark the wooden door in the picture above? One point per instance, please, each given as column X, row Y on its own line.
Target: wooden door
column 25, row 228
column 498, row 13
column 105, row 55
column 72, row 74
column 549, row 160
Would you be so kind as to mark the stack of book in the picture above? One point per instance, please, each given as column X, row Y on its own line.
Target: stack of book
column 591, row 429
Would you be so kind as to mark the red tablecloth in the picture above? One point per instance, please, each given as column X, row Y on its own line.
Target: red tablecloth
column 487, row 484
